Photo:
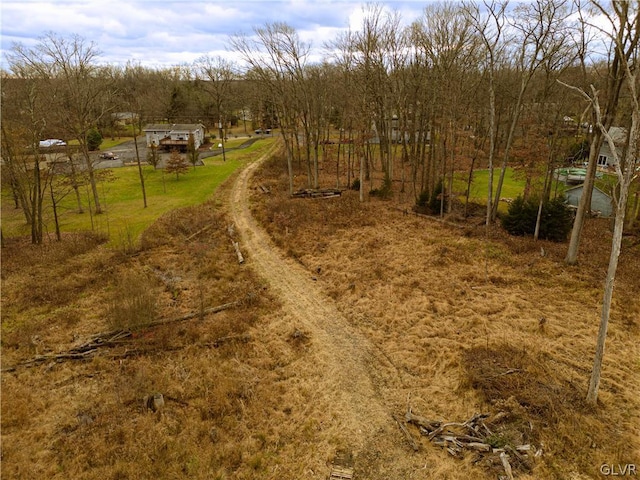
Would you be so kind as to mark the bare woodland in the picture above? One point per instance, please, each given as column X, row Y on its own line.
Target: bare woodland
column 323, row 267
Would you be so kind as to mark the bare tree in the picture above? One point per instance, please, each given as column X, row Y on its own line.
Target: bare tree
column 625, row 25
column 23, row 125
column 490, row 27
column 625, row 48
column 277, row 59
column 81, row 91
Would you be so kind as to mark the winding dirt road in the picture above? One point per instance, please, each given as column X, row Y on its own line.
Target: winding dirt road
column 354, row 374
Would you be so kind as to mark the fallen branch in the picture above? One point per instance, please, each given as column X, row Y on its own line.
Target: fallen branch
column 407, row 434
column 238, row 252
column 116, row 337
column 317, row 193
column 236, row 246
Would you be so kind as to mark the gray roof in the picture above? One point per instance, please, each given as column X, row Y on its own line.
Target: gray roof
column 619, row 135
column 175, row 127
column 581, row 186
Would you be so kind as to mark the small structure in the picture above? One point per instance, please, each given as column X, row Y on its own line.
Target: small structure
column 169, row 136
column 605, row 156
column 600, row 201
column 124, row 118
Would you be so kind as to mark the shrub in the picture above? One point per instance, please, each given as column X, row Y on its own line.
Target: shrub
column 94, row 139
column 355, row 185
column 430, row 203
column 133, row 302
column 422, row 202
column 385, row 191
column 436, row 199
column 555, row 221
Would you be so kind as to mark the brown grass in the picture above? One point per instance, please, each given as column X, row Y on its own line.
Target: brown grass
column 449, row 311
column 435, row 297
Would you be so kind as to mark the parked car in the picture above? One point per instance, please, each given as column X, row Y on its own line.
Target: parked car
column 52, row 142
column 109, row 156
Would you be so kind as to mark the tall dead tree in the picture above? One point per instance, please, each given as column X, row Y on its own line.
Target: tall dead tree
column 625, row 41
column 625, row 28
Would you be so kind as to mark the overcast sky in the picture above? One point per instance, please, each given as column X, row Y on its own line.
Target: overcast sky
column 163, row 32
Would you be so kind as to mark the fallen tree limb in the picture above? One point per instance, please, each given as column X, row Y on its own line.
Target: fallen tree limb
column 116, row 337
column 317, row 193
column 407, row 434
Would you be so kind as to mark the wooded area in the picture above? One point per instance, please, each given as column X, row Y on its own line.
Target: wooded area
column 393, row 107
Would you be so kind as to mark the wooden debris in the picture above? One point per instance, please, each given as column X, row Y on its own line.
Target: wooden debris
column 238, row 252
column 407, row 434
column 317, row 193
column 115, row 338
column 421, row 421
column 341, row 473
column 154, row 402
column 264, row 189
column 342, row 466
column 504, row 458
column 471, row 435
column 236, row 245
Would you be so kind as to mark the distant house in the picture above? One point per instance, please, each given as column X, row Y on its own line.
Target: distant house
column 605, row 156
column 600, row 201
column 124, row 118
column 169, row 136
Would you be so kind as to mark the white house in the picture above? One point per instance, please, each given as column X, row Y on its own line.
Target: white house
column 605, row 156
column 169, row 136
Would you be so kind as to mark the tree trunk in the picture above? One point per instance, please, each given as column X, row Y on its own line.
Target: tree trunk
column 616, row 242
column 492, row 144
column 135, row 142
column 74, row 183
column 585, row 201
column 55, row 213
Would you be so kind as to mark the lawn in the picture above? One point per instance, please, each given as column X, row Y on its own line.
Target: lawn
column 512, row 186
column 125, row 217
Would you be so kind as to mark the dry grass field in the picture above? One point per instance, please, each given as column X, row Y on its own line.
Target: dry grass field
column 348, row 314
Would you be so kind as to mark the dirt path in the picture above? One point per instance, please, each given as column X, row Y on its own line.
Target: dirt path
column 354, row 374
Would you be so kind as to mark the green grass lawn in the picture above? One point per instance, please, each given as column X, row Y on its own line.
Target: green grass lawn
column 121, row 197
column 512, row 186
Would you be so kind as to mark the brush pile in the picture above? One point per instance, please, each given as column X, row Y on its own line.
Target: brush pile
column 480, row 435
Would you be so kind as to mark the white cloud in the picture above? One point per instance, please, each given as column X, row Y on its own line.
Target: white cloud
column 167, row 32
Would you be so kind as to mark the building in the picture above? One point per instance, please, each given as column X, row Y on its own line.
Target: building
column 605, row 156
column 600, row 201
column 169, row 136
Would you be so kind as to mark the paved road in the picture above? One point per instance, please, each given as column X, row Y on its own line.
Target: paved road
column 127, row 152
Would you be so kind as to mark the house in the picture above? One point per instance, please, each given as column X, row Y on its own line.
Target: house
column 169, row 136
column 124, row 118
column 600, row 201
column 605, row 156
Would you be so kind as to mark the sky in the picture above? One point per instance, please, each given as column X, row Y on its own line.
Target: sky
column 162, row 33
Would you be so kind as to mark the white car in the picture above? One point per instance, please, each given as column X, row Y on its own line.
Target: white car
column 52, row 142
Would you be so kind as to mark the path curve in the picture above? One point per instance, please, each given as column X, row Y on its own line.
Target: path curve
column 345, row 358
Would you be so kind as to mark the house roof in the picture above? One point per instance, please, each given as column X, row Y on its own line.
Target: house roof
column 582, row 186
column 619, row 135
column 175, row 127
